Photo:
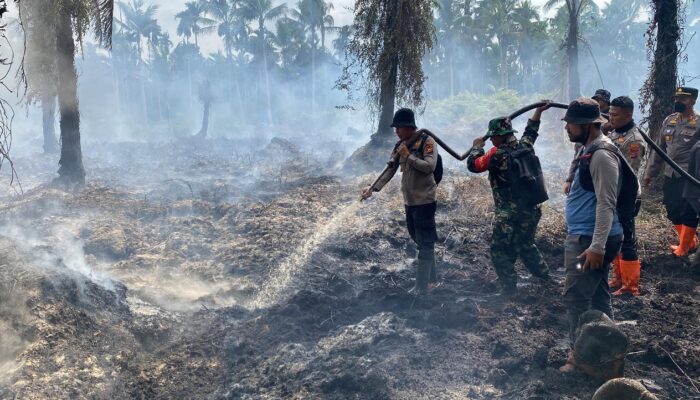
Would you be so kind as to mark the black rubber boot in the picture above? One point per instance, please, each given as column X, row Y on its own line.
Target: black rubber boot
column 433, row 272
column 422, row 277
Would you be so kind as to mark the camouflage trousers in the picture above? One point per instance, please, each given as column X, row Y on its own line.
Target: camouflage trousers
column 513, row 237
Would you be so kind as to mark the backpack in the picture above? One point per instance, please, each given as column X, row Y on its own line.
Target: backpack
column 526, row 177
column 628, row 199
column 437, row 173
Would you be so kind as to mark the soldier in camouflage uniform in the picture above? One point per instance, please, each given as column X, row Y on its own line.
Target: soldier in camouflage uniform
column 514, row 226
column 627, row 137
column 677, row 137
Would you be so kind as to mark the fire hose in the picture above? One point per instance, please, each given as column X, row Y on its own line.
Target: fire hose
column 461, row 157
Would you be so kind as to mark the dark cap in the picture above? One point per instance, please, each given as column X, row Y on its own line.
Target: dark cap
column 623, row 102
column 602, row 95
column 584, row 110
column 687, row 91
column 404, row 117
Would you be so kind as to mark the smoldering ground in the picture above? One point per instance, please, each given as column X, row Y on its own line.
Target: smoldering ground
column 182, row 271
column 240, row 264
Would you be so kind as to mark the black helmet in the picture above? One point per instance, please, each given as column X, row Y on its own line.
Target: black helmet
column 583, row 111
column 404, row 117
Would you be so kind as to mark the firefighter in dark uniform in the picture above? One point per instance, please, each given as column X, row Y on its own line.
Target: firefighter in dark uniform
column 417, row 162
column 514, row 225
column 676, row 138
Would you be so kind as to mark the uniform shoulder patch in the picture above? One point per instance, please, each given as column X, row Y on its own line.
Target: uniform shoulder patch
column 429, row 147
column 634, row 150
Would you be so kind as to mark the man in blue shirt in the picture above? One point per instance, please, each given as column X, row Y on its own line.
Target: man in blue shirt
column 594, row 232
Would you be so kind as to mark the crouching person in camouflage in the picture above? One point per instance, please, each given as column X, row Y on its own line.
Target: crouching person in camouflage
column 418, row 162
column 515, row 221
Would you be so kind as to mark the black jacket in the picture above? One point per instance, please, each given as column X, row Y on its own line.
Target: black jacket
column 691, row 191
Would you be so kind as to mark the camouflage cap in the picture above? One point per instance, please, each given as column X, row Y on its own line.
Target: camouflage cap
column 499, row 127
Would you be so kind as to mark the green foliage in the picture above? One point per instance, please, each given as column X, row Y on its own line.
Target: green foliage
column 468, row 107
column 39, row 18
column 389, row 35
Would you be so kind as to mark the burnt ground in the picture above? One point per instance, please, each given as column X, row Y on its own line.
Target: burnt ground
column 203, row 277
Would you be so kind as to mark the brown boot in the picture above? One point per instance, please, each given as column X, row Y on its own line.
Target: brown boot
column 616, row 281
column 630, row 271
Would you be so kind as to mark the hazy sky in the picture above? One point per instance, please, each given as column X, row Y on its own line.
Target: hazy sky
column 342, row 13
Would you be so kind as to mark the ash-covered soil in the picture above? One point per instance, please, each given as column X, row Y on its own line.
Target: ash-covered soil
column 221, row 273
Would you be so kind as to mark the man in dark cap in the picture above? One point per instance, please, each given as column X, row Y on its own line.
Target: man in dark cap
column 418, row 161
column 594, row 232
column 602, row 96
column 514, row 223
column 627, row 137
column 676, row 138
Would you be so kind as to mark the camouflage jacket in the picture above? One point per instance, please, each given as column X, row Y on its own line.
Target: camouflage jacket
column 497, row 162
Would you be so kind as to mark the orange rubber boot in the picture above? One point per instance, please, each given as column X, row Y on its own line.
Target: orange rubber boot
column 630, row 271
column 693, row 244
column 687, row 237
column 679, row 231
column 616, row 281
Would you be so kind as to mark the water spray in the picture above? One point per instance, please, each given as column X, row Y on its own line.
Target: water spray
column 285, row 273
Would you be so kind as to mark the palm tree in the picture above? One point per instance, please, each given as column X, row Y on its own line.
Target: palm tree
column 622, row 43
column 40, row 69
column 314, row 16
column 193, row 21
column 529, row 34
column 228, row 25
column 262, row 11
column 293, row 46
column 69, row 19
column 447, row 29
column 341, row 42
column 184, row 58
column 234, row 32
column 386, row 57
column 139, row 23
column 574, row 9
column 665, row 41
column 507, row 21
